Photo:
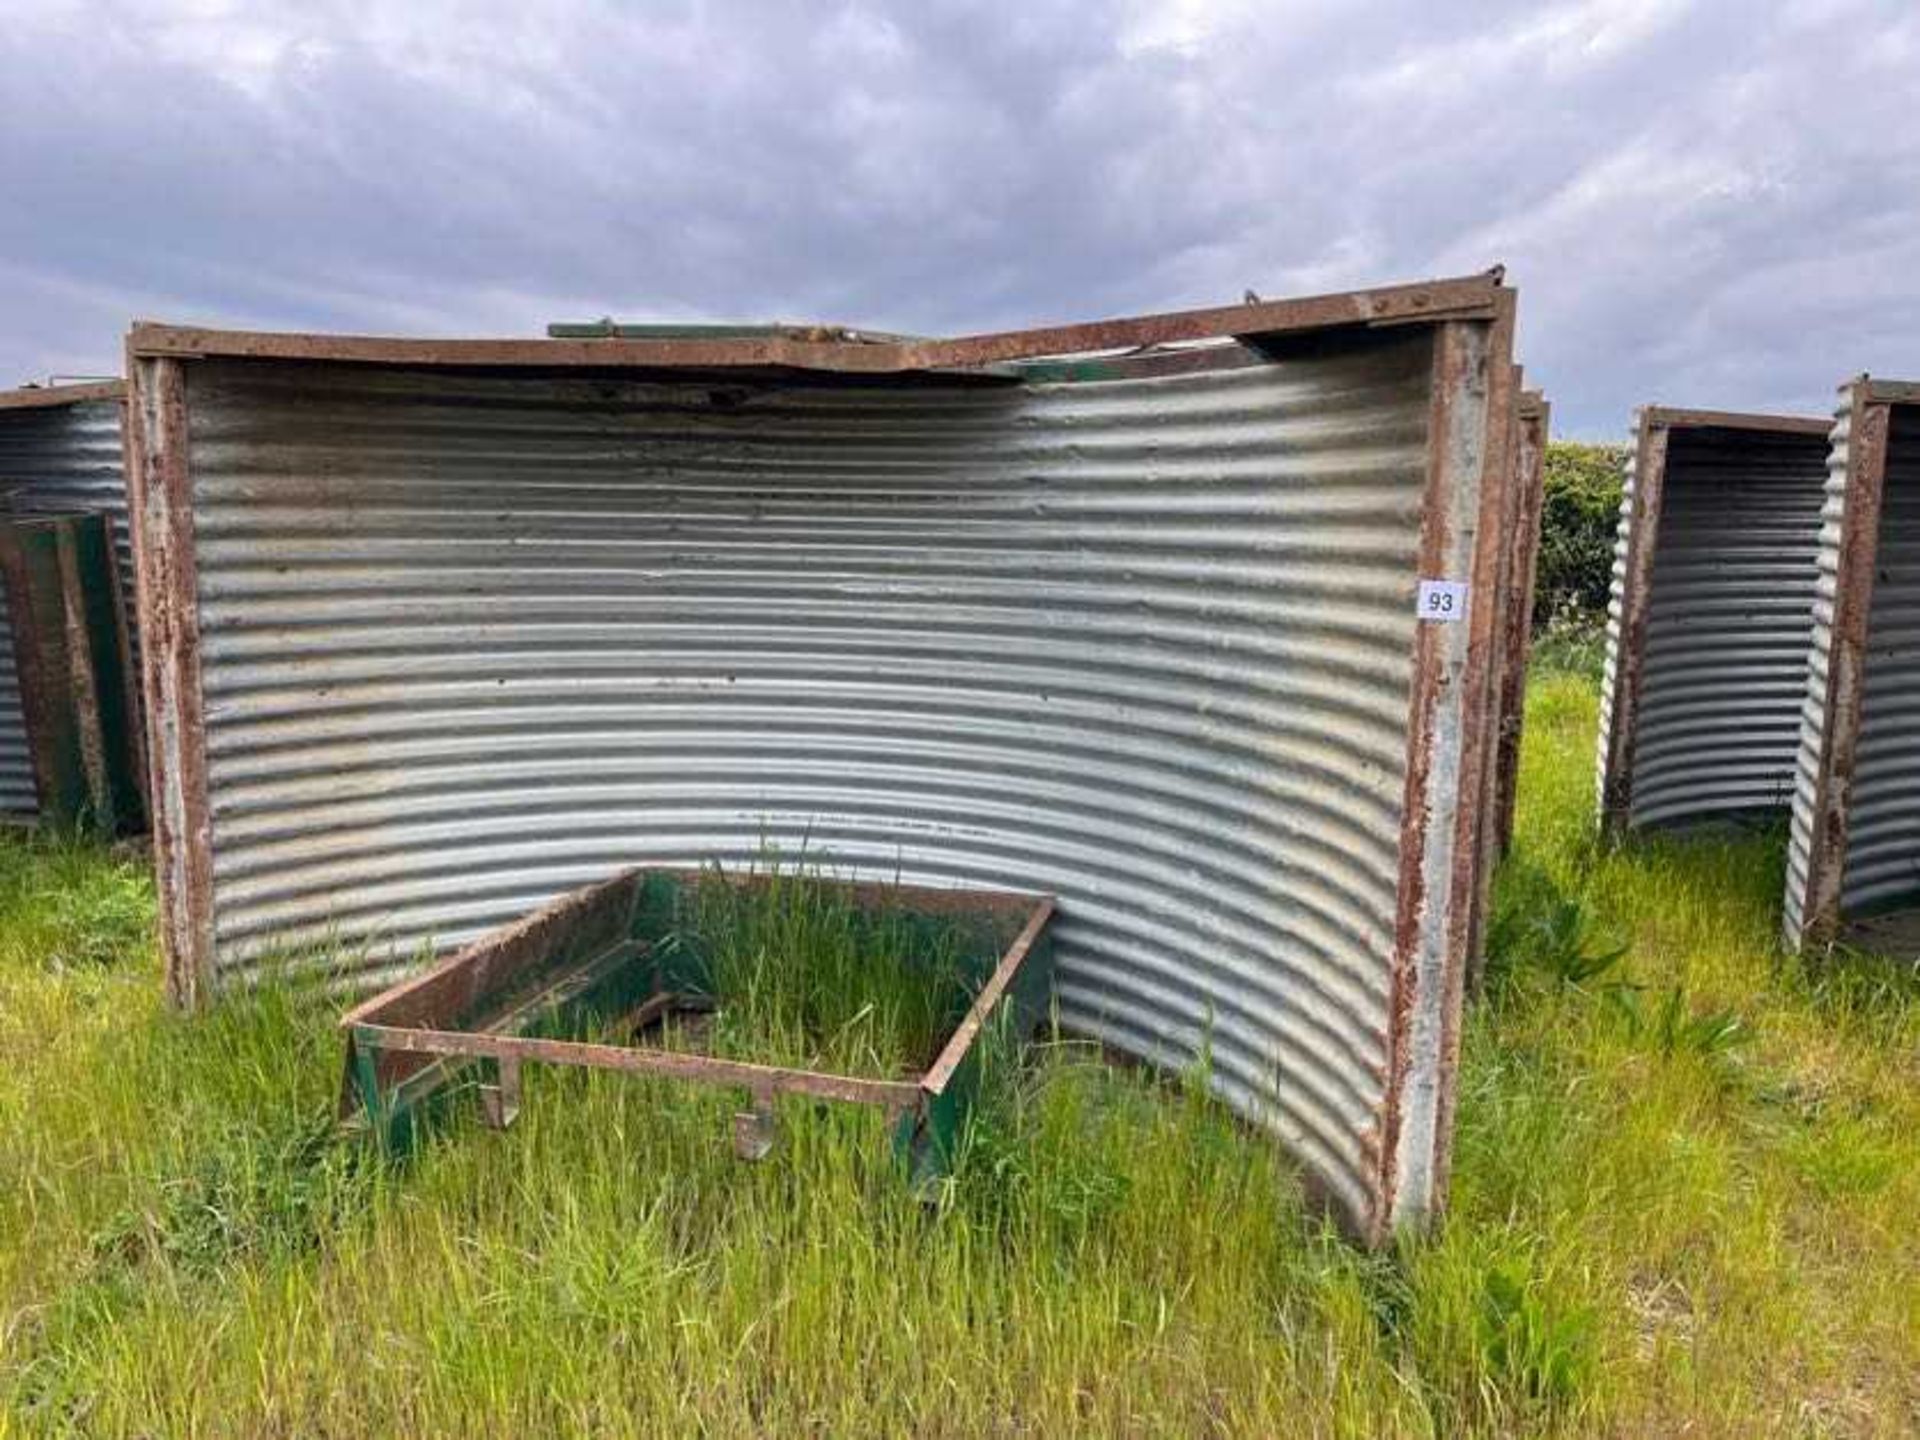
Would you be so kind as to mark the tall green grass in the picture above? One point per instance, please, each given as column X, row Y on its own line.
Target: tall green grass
column 802, row 975
column 1685, row 1185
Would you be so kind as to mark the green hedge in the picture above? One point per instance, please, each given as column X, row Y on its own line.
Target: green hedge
column 1578, row 521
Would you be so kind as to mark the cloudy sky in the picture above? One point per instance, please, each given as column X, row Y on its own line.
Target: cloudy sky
column 1709, row 203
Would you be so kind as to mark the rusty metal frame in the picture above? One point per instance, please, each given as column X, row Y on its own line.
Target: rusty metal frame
column 39, row 397
column 1474, row 297
column 1891, row 392
column 1485, row 842
column 1520, row 524
column 1870, row 404
column 414, row 1018
column 1449, row 749
column 1653, row 427
column 160, row 501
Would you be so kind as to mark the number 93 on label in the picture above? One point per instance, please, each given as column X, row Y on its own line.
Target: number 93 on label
column 1441, row 601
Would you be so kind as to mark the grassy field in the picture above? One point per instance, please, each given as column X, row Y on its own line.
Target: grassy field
column 1686, row 1193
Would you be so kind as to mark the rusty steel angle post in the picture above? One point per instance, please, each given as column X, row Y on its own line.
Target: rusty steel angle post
column 160, row 500
column 1449, row 747
column 1867, row 440
column 1643, row 528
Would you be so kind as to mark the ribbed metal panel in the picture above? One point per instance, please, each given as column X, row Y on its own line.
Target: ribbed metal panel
column 1730, row 617
column 468, row 641
column 19, row 798
column 1813, row 708
column 1882, row 867
column 67, row 457
column 55, row 457
column 1612, row 674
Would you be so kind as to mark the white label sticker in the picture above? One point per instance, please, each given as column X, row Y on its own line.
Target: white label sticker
column 1442, row 601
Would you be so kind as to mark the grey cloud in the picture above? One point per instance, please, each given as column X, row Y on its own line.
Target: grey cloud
column 1701, row 204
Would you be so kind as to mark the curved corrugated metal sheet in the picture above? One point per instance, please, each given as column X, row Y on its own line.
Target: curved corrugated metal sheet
column 1808, row 759
column 470, row 640
column 55, row 457
column 67, row 457
column 1728, row 617
column 1882, row 864
column 1613, row 677
column 19, row 798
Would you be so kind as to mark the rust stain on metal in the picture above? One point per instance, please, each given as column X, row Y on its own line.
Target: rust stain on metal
column 35, row 397
column 69, row 664
column 1428, row 681
column 1535, row 428
column 162, row 506
column 1475, row 296
column 39, row 691
column 475, row 1005
column 81, row 664
column 1504, row 650
column 1889, row 392
column 1462, row 379
column 1470, row 297
column 1846, row 673
column 458, row 982
column 1479, row 743
column 456, row 987
column 1649, row 475
column 936, row 1078
column 638, row 1060
column 1672, row 418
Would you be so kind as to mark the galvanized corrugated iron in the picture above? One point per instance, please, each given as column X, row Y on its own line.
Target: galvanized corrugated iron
column 1711, row 616
column 429, row 645
column 1854, row 851
column 18, row 798
column 59, row 453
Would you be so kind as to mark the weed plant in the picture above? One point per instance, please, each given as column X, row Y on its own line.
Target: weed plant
column 804, row 975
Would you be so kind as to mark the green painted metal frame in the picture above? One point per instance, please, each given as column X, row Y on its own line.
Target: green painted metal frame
column 596, row 958
column 69, row 636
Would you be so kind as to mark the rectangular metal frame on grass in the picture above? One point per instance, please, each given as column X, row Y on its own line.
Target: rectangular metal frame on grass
column 597, row 955
column 1747, row 597
column 1853, row 855
column 1371, row 1116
